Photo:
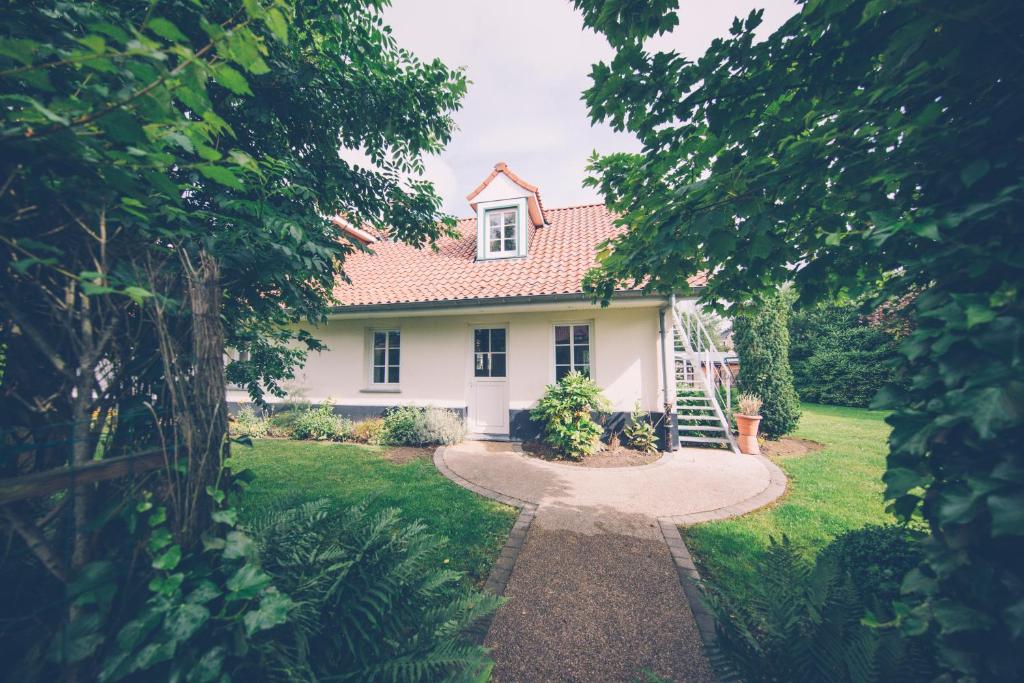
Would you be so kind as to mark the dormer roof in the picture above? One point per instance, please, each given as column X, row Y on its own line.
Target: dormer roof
column 533, row 201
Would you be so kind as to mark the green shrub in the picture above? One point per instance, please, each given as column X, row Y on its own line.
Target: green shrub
column 762, row 343
column 282, row 421
column 412, row 426
column 374, row 602
column 248, row 423
column 877, row 558
column 808, row 623
column 564, row 413
column 837, row 358
column 321, row 424
column 640, row 433
column 368, row 431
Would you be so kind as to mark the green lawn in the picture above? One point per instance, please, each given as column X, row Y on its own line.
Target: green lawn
column 829, row 491
column 291, row 472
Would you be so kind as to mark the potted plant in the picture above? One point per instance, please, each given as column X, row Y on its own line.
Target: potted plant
column 747, row 421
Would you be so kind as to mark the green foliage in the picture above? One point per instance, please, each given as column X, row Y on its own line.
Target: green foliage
column 564, row 413
column 640, row 432
column 412, row 426
column 837, row 358
column 762, row 343
column 865, row 142
column 806, row 623
column 370, row 430
column 248, row 423
column 877, row 558
column 321, row 424
column 374, row 604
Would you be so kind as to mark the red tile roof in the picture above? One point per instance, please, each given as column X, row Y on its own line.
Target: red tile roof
column 560, row 254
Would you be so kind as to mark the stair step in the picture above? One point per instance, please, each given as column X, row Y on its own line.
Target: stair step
column 703, row 439
column 694, row 399
column 701, row 428
column 697, row 416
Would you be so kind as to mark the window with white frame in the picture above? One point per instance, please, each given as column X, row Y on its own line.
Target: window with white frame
column 502, row 230
column 386, row 356
column 489, row 352
column 572, row 349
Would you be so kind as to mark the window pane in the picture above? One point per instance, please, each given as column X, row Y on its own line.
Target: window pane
column 510, row 218
column 581, row 355
column 495, row 232
column 510, row 231
column 561, row 371
column 393, row 339
column 584, row 370
column 561, row 355
column 393, row 356
column 378, row 356
column 561, row 334
column 378, row 374
column 494, row 219
column 510, row 244
column 495, row 245
column 378, row 340
column 581, row 334
column 497, row 340
column 393, row 375
column 481, row 341
column 480, row 366
column 497, row 365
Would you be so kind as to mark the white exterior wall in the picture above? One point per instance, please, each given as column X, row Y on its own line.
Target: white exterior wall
column 436, row 357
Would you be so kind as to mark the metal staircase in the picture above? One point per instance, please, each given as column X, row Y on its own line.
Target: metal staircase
column 704, row 383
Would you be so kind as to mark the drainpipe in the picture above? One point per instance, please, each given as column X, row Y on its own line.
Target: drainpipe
column 670, row 435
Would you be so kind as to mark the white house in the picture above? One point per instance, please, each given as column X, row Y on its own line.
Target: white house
column 484, row 322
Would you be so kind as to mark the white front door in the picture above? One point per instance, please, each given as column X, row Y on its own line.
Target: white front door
column 488, row 383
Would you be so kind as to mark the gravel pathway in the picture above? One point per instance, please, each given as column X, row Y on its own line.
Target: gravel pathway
column 594, row 594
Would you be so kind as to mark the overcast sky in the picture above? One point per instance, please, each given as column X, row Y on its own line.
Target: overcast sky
column 529, row 61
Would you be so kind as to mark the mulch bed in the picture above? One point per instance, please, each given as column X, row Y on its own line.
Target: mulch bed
column 789, row 446
column 404, row 454
column 609, row 456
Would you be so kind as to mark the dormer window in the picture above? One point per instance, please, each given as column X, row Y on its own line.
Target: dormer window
column 507, row 209
column 502, row 230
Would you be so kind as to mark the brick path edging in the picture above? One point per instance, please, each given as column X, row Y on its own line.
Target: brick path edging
column 497, row 579
column 686, row 569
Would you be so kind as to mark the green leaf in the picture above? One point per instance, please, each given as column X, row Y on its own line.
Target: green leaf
column 273, row 610
column 153, row 654
column 231, row 79
column 974, row 171
column 229, row 516
column 184, row 620
column 277, row 24
column 1007, row 514
column 159, row 539
column 95, row 43
column 247, row 582
column 137, row 294
column 166, row 585
column 209, row 666
column 238, row 545
column 220, row 175
column 166, row 29
column 135, row 631
column 169, row 559
column 206, row 590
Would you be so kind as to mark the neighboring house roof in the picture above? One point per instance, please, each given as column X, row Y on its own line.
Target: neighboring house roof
column 560, row 254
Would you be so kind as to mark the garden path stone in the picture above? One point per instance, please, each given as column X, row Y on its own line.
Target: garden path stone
column 594, row 593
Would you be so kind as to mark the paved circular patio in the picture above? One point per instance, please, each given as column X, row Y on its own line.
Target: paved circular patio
column 688, row 486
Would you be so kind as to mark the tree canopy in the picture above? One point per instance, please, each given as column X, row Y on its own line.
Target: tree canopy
column 864, row 142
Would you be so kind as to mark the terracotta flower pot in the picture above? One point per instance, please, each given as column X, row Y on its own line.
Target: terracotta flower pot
column 747, row 426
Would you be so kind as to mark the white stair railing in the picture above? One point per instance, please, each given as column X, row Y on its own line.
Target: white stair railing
column 711, row 373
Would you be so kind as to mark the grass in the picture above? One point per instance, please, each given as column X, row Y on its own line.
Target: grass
column 829, row 491
column 291, row 472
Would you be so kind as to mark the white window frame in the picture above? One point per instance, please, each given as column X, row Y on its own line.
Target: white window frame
column 386, row 331
column 572, row 354
column 503, row 252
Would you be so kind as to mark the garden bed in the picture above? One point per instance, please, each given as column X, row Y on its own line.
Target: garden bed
column 789, row 446
column 609, row 456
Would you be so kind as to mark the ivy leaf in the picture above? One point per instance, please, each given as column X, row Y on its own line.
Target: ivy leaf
column 1007, row 515
column 205, row 592
column 169, row 559
column 247, row 582
column 238, row 545
column 974, row 171
column 229, row 516
column 209, row 666
column 184, row 620
column 273, row 610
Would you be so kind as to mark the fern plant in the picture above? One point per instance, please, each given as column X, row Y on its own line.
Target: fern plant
column 809, row 623
column 374, row 603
